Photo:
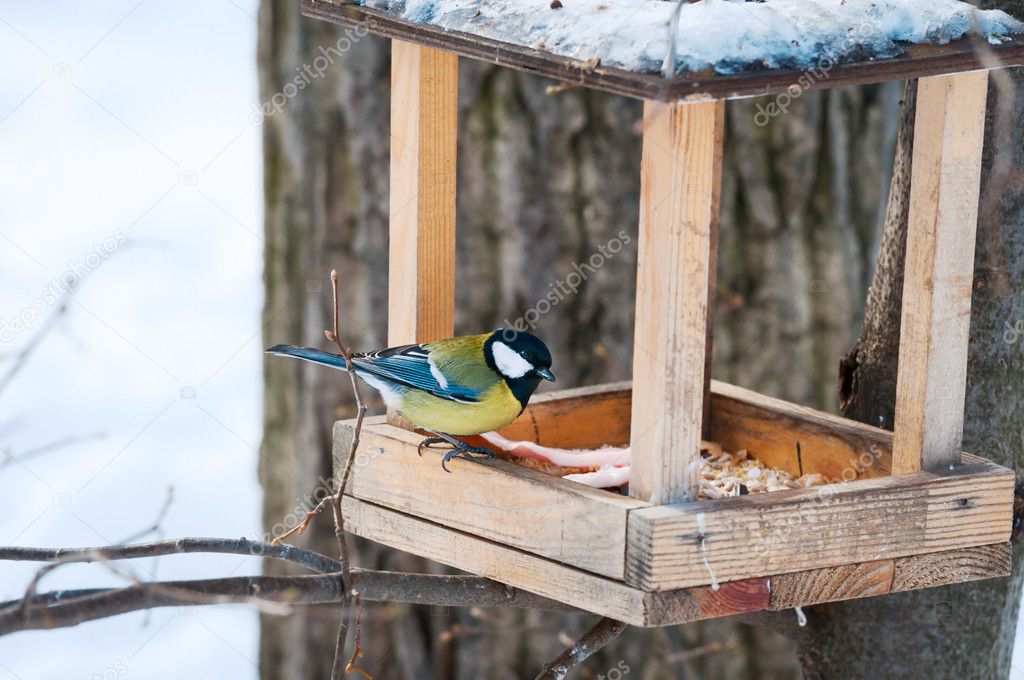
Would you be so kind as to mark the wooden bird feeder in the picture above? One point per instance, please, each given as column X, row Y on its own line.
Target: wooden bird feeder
column 917, row 512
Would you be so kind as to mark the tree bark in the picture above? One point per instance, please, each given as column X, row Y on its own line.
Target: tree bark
column 967, row 630
column 543, row 181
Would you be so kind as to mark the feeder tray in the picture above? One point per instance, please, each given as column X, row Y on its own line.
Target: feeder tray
column 908, row 510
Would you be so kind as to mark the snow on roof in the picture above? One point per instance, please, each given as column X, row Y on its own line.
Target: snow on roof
column 727, row 35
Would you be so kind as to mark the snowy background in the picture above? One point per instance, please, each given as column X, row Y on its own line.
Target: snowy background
column 125, row 131
column 131, row 118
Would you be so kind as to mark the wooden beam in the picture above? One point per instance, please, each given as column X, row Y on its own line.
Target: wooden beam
column 699, row 543
column 639, row 608
column 424, row 121
column 945, row 179
column 485, row 558
column 680, row 173
column 832, row 584
column 880, row 577
column 954, row 566
column 494, row 499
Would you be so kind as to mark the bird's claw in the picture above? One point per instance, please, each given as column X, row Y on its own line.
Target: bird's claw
column 458, row 448
column 428, row 443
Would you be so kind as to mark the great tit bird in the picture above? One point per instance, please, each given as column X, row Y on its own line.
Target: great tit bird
column 455, row 387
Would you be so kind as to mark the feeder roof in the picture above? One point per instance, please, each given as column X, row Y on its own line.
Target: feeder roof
column 720, row 48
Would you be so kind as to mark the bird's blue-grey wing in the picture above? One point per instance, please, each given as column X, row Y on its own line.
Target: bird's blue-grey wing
column 410, row 366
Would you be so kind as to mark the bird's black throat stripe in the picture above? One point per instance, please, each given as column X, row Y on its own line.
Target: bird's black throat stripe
column 522, row 388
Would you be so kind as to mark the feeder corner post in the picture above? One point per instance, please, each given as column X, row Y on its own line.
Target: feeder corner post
column 949, row 130
column 680, row 178
column 421, row 258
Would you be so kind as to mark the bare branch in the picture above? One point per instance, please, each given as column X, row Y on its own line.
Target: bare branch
column 603, row 632
column 174, row 546
column 64, row 609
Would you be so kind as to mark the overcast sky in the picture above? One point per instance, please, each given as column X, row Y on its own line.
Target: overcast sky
column 128, row 157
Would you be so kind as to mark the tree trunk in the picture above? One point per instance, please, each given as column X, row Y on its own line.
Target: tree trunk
column 966, row 630
column 543, row 182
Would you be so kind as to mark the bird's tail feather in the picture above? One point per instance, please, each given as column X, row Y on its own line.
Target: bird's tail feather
column 315, row 356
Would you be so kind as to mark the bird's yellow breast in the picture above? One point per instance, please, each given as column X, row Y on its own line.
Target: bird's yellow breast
column 498, row 407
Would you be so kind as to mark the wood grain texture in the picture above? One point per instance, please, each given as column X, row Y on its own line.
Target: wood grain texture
column 939, row 272
column 494, row 499
column 479, row 556
column 781, row 434
column 956, row 566
column 795, row 438
column 680, row 177
column 918, row 61
column 550, row 579
column 832, row 584
column 583, row 418
column 639, row 608
column 785, row 531
column 424, row 121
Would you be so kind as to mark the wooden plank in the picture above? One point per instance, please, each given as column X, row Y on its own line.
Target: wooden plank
column 795, row 438
column 424, row 121
column 494, row 499
column 636, row 607
column 544, row 577
column 580, row 418
column 957, row 566
column 680, row 173
column 879, row 577
column 918, row 61
column 832, row 584
column 780, row 434
column 785, row 531
column 932, row 375
column 507, row 565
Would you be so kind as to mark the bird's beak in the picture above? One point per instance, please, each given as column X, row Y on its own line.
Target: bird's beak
column 545, row 373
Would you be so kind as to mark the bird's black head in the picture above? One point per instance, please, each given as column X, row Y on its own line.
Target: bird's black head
column 521, row 358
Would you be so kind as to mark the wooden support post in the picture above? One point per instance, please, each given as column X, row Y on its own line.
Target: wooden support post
column 424, row 121
column 932, row 375
column 679, row 184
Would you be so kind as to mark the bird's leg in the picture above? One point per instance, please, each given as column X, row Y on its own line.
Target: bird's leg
column 458, row 447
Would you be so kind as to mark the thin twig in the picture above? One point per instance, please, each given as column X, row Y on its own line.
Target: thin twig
column 48, row 447
column 157, row 526
column 334, row 335
column 603, row 632
column 304, row 524
column 703, row 650
column 357, row 642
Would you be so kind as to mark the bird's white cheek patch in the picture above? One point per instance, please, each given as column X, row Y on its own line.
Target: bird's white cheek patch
column 509, row 362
